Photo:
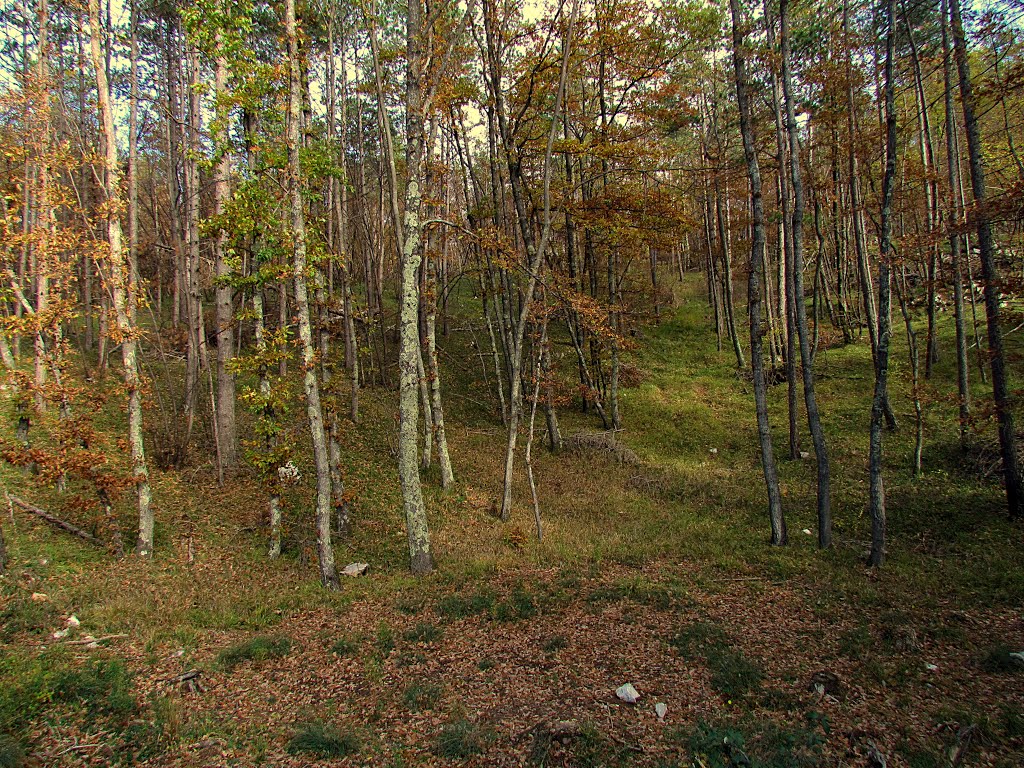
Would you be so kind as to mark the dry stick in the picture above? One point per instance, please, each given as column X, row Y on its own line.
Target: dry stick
column 91, row 640
column 55, row 521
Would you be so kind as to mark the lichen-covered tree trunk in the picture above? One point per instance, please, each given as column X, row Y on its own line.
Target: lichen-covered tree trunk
column 311, row 386
column 119, row 277
column 224, row 310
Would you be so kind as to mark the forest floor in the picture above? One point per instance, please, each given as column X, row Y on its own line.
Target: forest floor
column 654, row 570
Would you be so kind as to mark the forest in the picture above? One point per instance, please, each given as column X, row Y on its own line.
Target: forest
column 562, row 383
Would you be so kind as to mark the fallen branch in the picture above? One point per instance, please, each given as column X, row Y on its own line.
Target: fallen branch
column 188, row 680
column 54, row 521
column 90, row 640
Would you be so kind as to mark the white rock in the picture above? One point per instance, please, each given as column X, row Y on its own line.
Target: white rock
column 807, row 531
column 660, row 709
column 805, row 455
column 627, row 693
column 714, row 451
column 73, row 621
column 355, row 569
column 61, row 634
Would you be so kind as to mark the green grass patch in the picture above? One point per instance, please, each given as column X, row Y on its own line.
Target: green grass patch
column 258, row 648
column 345, row 646
column 12, row 754
column 641, row 591
column 322, row 740
column 384, row 641
column 520, row 605
column 733, row 675
column 424, row 632
column 461, row 739
column 420, row 696
column 695, row 638
column 460, row 606
column 759, row 743
column 554, row 644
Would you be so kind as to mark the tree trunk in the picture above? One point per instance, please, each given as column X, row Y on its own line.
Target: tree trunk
column 989, row 273
column 314, row 410
column 787, row 300
column 228, row 442
column 876, row 493
column 810, row 401
column 775, row 513
column 953, row 216
column 121, row 289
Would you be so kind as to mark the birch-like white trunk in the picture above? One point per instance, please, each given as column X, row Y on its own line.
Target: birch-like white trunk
column 119, row 277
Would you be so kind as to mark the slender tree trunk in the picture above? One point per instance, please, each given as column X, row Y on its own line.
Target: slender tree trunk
column 411, row 254
column 989, row 273
column 121, row 289
column 228, row 442
column 810, row 400
column 876, row 493
column 787, row 301
column 434, row 380
column 193, row 300
column 953, row 217
column 314, row 409
column 775, row 513
column 535, row 252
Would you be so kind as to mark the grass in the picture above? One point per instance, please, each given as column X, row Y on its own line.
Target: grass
column 259, row 648
column 733, row 675
column 554, row 644
column 424, row 632
column 677, row 523
column 759, row 743
column 420, row 696
column 12, row 754
column 460, row 739
column 345, row 646
column 460, row 606
column 322, row 740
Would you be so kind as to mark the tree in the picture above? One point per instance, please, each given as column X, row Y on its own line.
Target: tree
column 877, row 487
column 775, row 514
column 989, row 272
column 120, row 285
column 810, row 400
column 310, row 383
